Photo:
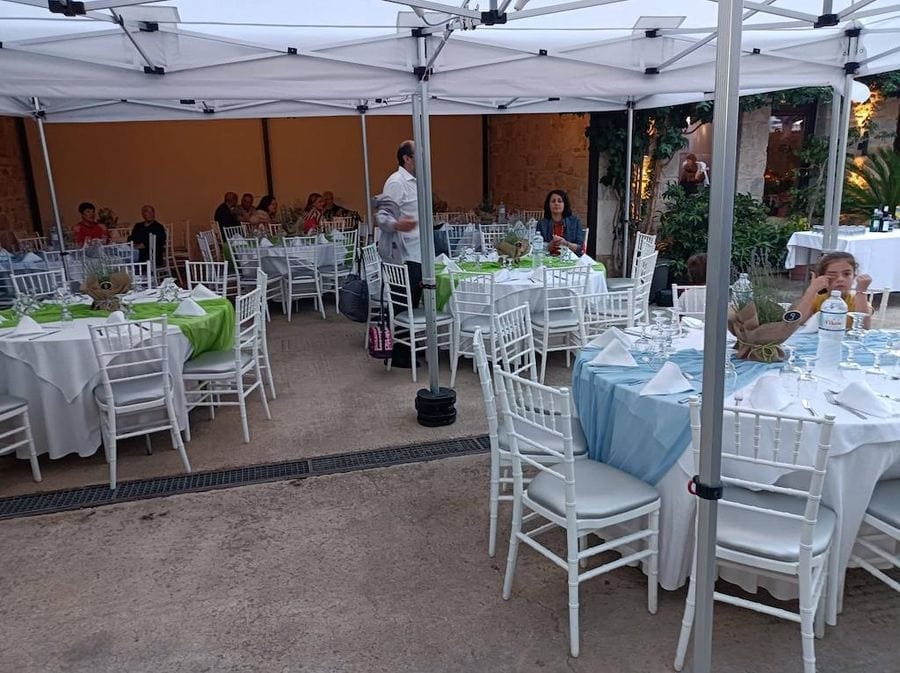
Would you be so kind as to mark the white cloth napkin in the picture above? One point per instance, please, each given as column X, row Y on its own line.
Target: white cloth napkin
column 115, row 317
column 321, row 240
column 442, row 259
column 452, row 266
column 585, row 260
column 693, row 323
column 610, row 335
column 614, row 354
column 189, row 307
column 203, row 292
column 265, row 242
column 769, row 394
column 858, row 395
column 31, row 258
column 26, row 326
column 668, row 380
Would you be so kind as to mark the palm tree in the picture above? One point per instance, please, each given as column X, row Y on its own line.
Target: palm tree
column 874, row 184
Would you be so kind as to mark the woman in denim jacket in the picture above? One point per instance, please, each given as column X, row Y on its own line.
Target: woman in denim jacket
column 559, row 227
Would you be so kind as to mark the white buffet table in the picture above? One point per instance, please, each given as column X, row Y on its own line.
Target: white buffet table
column 877, row 254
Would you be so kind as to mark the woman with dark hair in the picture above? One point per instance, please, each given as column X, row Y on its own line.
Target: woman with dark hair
column 89, row 229
column 559, row 227
column 266, row 211
column 312, row 213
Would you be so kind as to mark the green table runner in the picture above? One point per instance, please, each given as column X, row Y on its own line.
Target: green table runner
column 444, row 290
column 211, row 332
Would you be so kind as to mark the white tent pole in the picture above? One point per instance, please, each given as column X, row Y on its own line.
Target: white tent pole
column 39, row 117
column 726, row 115
column 830, row 238
column 365, row 148
column 422, row 136
column 629, row 140
column 834, row 165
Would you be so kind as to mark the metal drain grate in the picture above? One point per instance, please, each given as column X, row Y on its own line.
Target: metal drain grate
column 100, row 494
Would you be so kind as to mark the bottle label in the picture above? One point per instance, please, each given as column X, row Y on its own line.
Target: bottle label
column 832, row 322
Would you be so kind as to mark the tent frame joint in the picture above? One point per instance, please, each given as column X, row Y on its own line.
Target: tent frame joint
column 362, row 109
column 154, row 70
column 292, row 51
column 651, row 71
column 66, row 7
column 705, row 491
column 852, row 32
column 851, row 68
column 493, row 17
column 826, row 21
column 652, row 33
column 421, row 72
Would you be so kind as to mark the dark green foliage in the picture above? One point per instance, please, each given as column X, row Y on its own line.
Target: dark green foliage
column 875, row 184
column 755, row 239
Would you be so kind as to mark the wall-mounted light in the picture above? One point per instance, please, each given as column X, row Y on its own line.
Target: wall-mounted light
column 860, row 92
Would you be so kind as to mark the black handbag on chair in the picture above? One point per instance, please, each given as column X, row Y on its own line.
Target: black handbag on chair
column 353, row 301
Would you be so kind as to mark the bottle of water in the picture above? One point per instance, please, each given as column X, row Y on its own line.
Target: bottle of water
column 832, row 325
column 501, row 213
column 742, row 291
column 537, row 251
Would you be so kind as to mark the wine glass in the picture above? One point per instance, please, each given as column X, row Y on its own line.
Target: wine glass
column 807, row 384
column 790, row 372
column 730, row 371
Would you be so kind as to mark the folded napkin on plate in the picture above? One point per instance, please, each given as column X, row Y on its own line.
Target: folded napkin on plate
column 442, row 259
column 31, row 258
column 452, row 266
column 189, row 307
column 693, row 323
column 265, row 243
column 585, row 260
column 615, row 355
column 768, row 394
column 26, row 326
column 321, row 240
column 668, row 380
column 858, row 395
column 115, row 317
column 203, row 292
column 610, row 335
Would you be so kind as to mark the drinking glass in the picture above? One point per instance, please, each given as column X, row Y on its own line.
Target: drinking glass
column 730, row 371
column 807, row 384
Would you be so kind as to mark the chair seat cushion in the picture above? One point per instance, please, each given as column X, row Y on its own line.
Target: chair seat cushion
column 470, row 323
column 619, row 283
column 10, row 402
column 561, row 318
column 885, row 502
column 766, row 534
column 419, row 317
column 600, row 491
column 330, row 269
column 579, row 442
column 214, row 362
column 131, row 392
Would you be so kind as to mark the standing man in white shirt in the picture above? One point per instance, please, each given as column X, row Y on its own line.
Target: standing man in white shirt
column 403, row 231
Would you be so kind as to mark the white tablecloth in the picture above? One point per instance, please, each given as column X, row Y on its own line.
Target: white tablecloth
column 877, row 254
column 57, row 375
column 274, row 263
column 862, row 453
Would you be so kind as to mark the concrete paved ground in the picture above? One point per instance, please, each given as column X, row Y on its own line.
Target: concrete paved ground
column 377, row 571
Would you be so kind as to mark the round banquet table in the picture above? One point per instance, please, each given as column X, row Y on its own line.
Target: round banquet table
column 57, row 372
column 649, row 437
column 515, row 286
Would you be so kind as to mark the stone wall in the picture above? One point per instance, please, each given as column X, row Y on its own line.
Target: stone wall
column 532, row 154
column 754, row 136
column 15, row 211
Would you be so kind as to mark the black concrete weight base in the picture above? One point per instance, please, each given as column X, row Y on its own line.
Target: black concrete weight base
column 436, row 410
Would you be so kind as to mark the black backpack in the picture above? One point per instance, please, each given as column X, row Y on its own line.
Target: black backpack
column 353, row 302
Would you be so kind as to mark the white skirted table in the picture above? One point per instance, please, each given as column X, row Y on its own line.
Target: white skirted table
column 877, row 254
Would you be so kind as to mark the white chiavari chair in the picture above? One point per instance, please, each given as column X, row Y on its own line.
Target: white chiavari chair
column 557, row 325
column 217, row 374
column 212, row 275
column 514, row 342
column 880, row 532
column 141, row 274
column 472, row 307
column 33, row 244
column 118, row 252
column 644, row 244
column 879, row 300
column 372, row 273
column 344, row 250
column 40, row 284
column 689, row 300
column 302, row 278
column 455, row 235
column 135, row 381
column 15, row 431
column 407, row 323
column 778, row 531
column 528, row 215
column 245, row 257
column 234, row 232
column 602, row 310
column 643, row 280
column 119, row 234
column 579, row 497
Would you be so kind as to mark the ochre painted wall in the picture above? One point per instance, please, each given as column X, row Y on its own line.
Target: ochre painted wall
column 184, row 168
column 15, row 211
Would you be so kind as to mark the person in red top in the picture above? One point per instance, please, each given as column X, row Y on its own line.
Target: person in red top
column 89, row 229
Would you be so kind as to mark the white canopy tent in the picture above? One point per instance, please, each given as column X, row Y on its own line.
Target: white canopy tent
column 142, row 59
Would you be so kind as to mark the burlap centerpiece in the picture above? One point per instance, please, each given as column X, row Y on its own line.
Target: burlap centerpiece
column 761, row 343
column 515, row 251
column 104, row 290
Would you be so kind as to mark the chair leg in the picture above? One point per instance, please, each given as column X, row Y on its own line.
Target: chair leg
column 687, row 622
column 269, row 378
column 454, row 363
column 111, row 456
column 148, row 445
column 573, row 544
column 32, row 455
column 412, row 351
column 652, row 576
column 262, row 391
column 543, row 365
column 513, row 546
column 242, row 404
column 177, row 444
column 494, row 503
column 807, row 620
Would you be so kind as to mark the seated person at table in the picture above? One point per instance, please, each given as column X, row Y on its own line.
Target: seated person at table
column 330, row 209
column 836, row 271
column 89, row 229
column 312, row 212
column 559, row 227
column 696, row 268
column 226, row 213
column 246, row 211
column 266, row 211
column 140, row 237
